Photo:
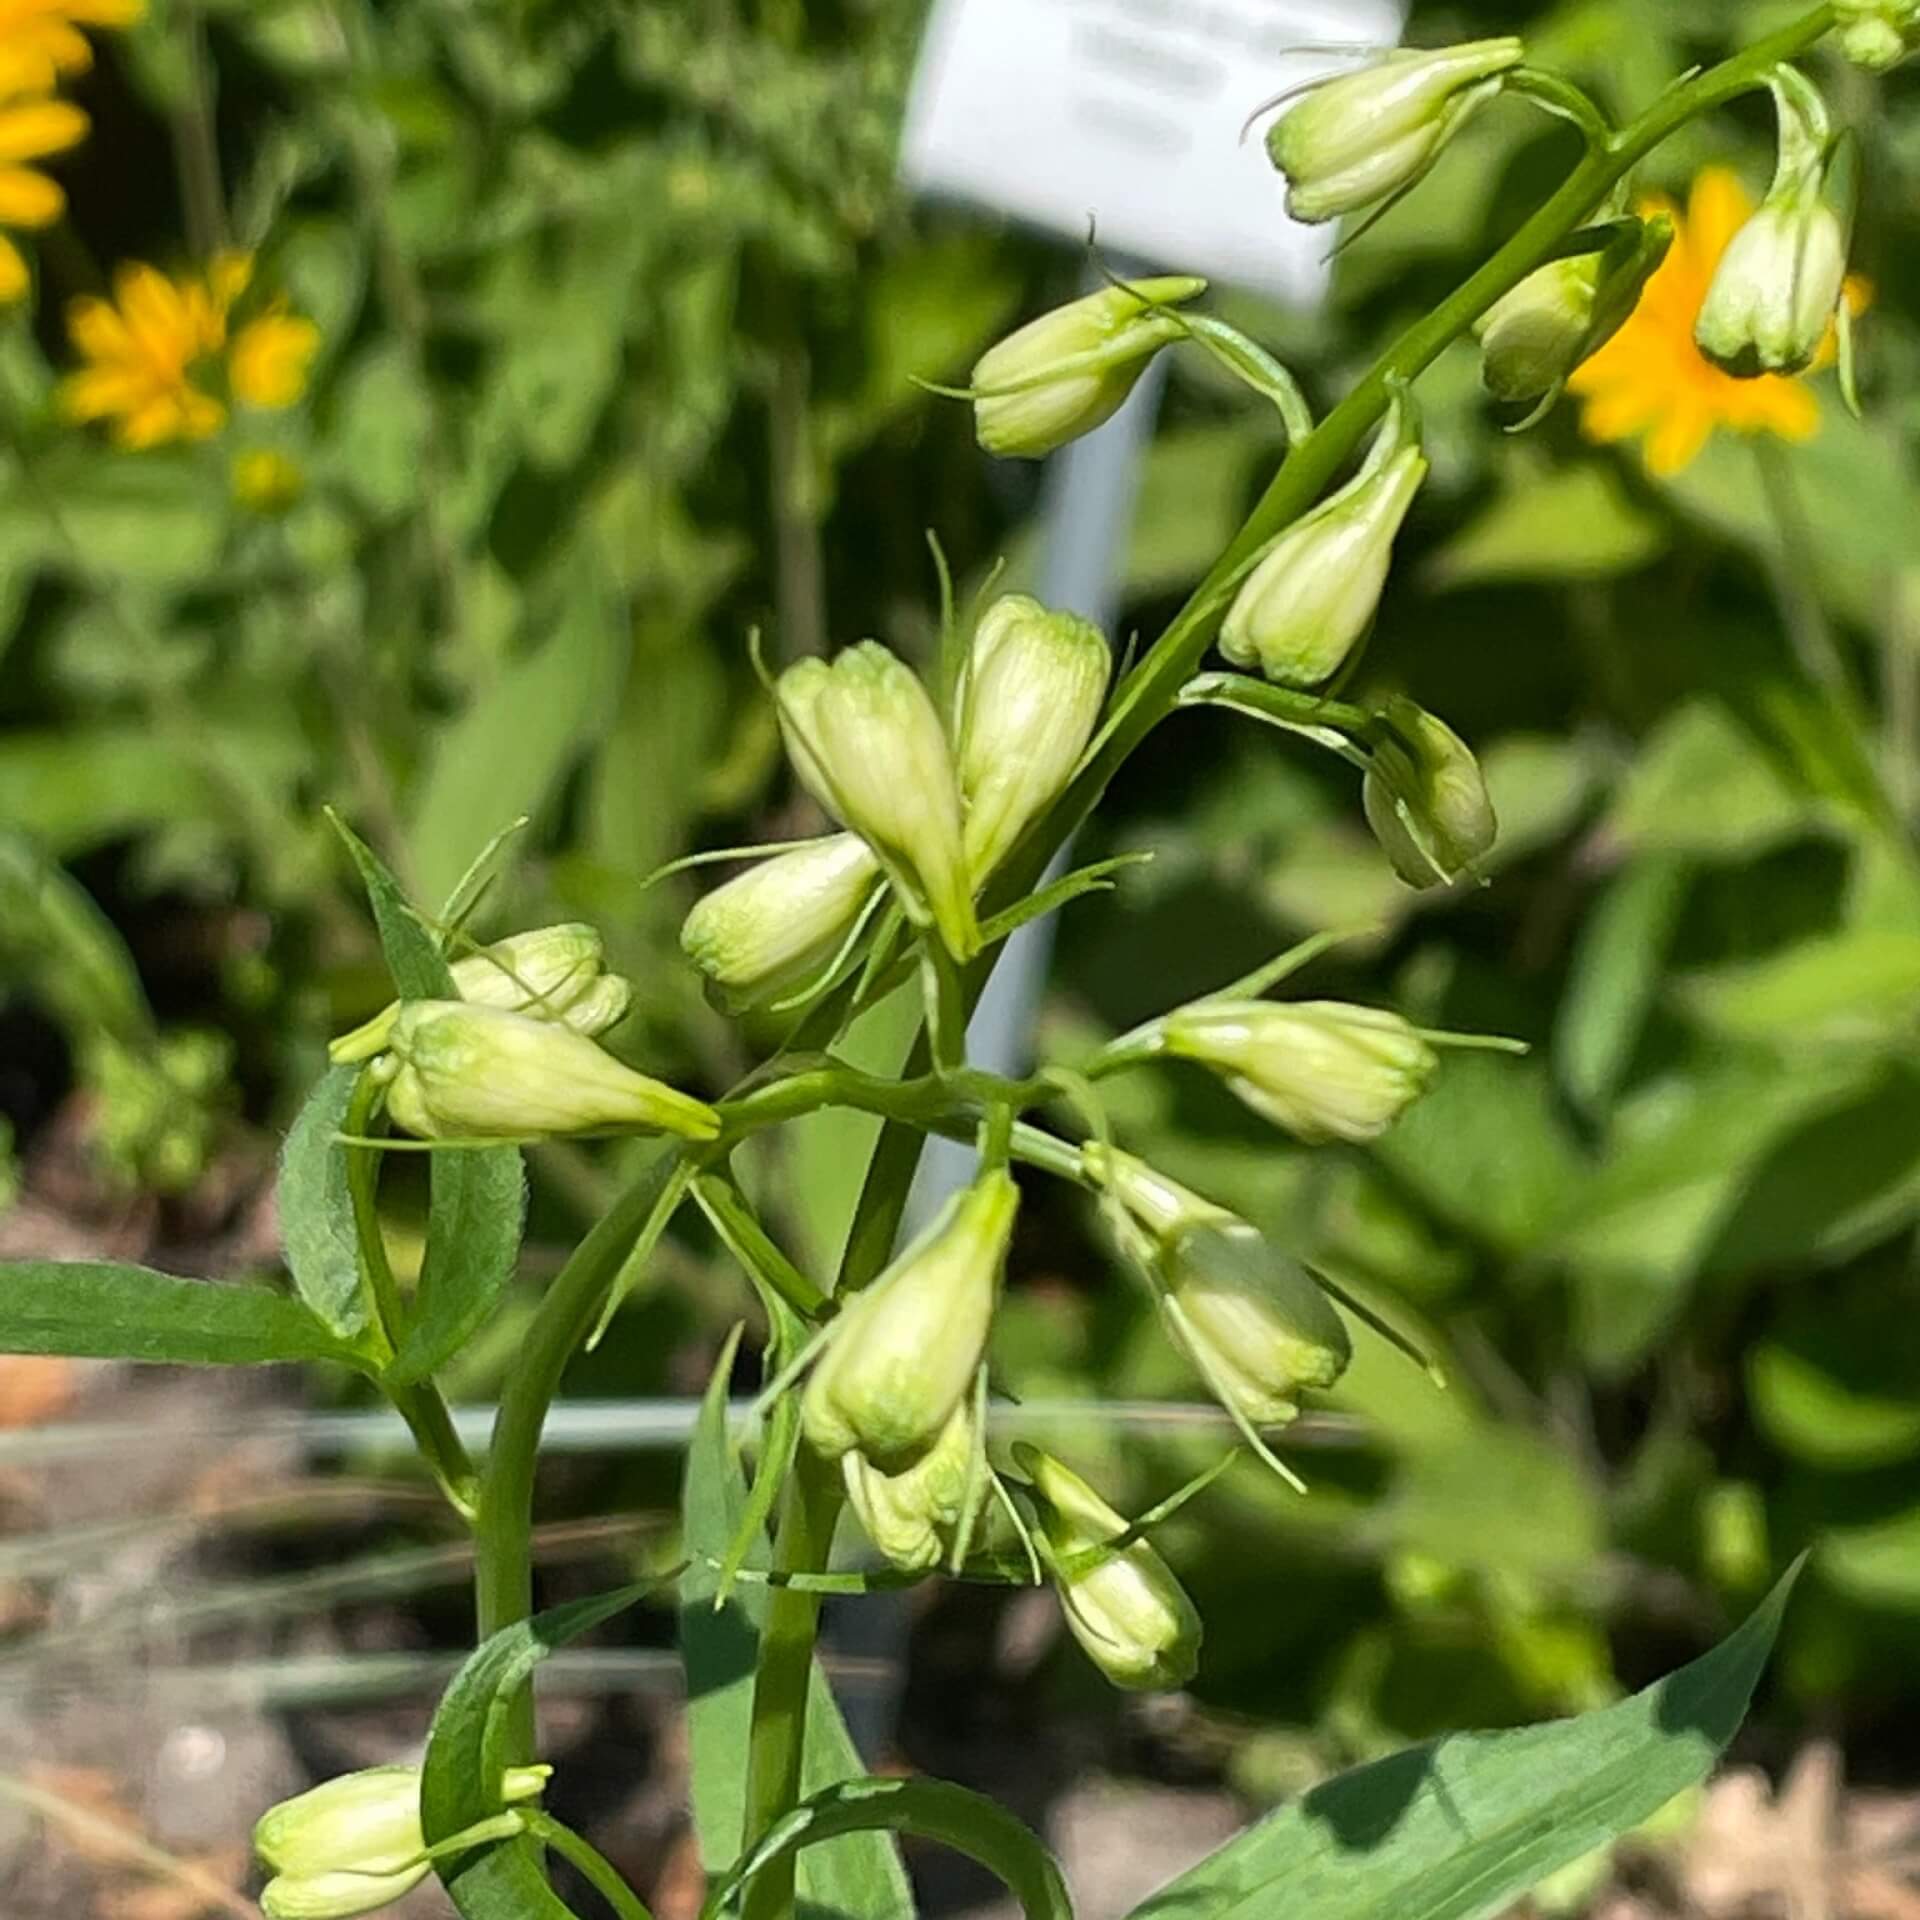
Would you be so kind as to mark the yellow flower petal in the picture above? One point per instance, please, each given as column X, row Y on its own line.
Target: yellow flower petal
column 1677, row 441
column 14, row 278
column 270, row 356
column 32, row 130
column 1717, row 209
column 29, row 199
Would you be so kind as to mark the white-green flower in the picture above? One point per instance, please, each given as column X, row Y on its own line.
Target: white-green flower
column 782, row 921
column 1364, row 136
column 1131, row 1616
column 1310, row 600
column 455, row 1071
column 1426, row 799
column 902, row 1356
column 1321, row 1069
column 1070, row 371
column 912, row 1516
column 1035, row 683
column 866, row 741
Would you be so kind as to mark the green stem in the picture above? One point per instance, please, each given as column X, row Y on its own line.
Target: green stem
column 419, row 1403
column 777, row 1749
column 595, row 1868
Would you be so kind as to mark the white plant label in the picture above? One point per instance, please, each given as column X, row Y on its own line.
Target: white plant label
column 1129, row 113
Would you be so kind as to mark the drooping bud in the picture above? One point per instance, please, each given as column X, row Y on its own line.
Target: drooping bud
column 1035, row 683
column 1426, row 798
column 1130, row 1615
column 1878, row 34
column 866, row 741
column 456, row 1071
column 780, row 922
column 1561, row 315
column 1310, row 600
column 1252, row 1321
column 1071, row 370
column 1361, row 137
column 912, row 1516
column 354, row 1845
column 1780, row 282
column 1321, row 1069
column 551, row 973
column 902, row 1356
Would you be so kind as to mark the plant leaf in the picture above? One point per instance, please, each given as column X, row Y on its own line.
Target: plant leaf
column 419, row 968
column 858, row 1878
column 966, row 1821
column 97, row 1310
column 1463, row 1826
column 476, row 1210
column 316, row 1210
column 467, row 1754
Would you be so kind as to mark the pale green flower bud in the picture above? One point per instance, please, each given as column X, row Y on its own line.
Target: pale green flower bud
column 902, row 1356
column 912, row 1516
column 354, row 1845
column 1252, row 1321
column 456, row 1071
column 1426, row 799
column 866, row 741
column 1321, row 1069
column 1780, row 282
column 1036, row 681
column 1878, row 34
column 780, row 922
column 1363, row 136
column 1130, row 1615
column 1071, row 370
column 1534, row 338
column 552, row 973
column 1306, row 606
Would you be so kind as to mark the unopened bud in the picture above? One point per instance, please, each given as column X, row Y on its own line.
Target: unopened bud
column 1321, row 1069
column 1309, row 602
column 1130, row 1615
column 354, row 1845
column 902, row 1356
column 1779, row 284
column 1069, row 371
column 1036, row 681
column 551, row 973
column 780, row 922
column 912, row 1516
column 1253, row 1322
column 866, row 741
column 1361, row 137
column 456, row 1071
column 1426, row 799
column 1878, row 34
column 1534, row 338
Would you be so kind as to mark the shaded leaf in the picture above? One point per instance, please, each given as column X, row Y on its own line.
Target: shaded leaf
column 316, row 1208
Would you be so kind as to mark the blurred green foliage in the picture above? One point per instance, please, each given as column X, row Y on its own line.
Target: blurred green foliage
column 621, row 313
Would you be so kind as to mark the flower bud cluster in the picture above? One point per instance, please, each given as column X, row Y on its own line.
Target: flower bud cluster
column 354, row 1845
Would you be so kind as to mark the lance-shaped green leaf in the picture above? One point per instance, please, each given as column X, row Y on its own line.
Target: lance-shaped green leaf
column 316, row 1208
column 97, row 1310
column 1465, row 1825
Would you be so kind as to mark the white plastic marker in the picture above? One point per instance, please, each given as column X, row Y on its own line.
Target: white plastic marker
column 1129, row 112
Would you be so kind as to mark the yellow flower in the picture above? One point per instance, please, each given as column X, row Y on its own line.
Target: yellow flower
column 1650, row 377
column 30, row 130
column 41, row 42
column 153, row 350
column 267, row 366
